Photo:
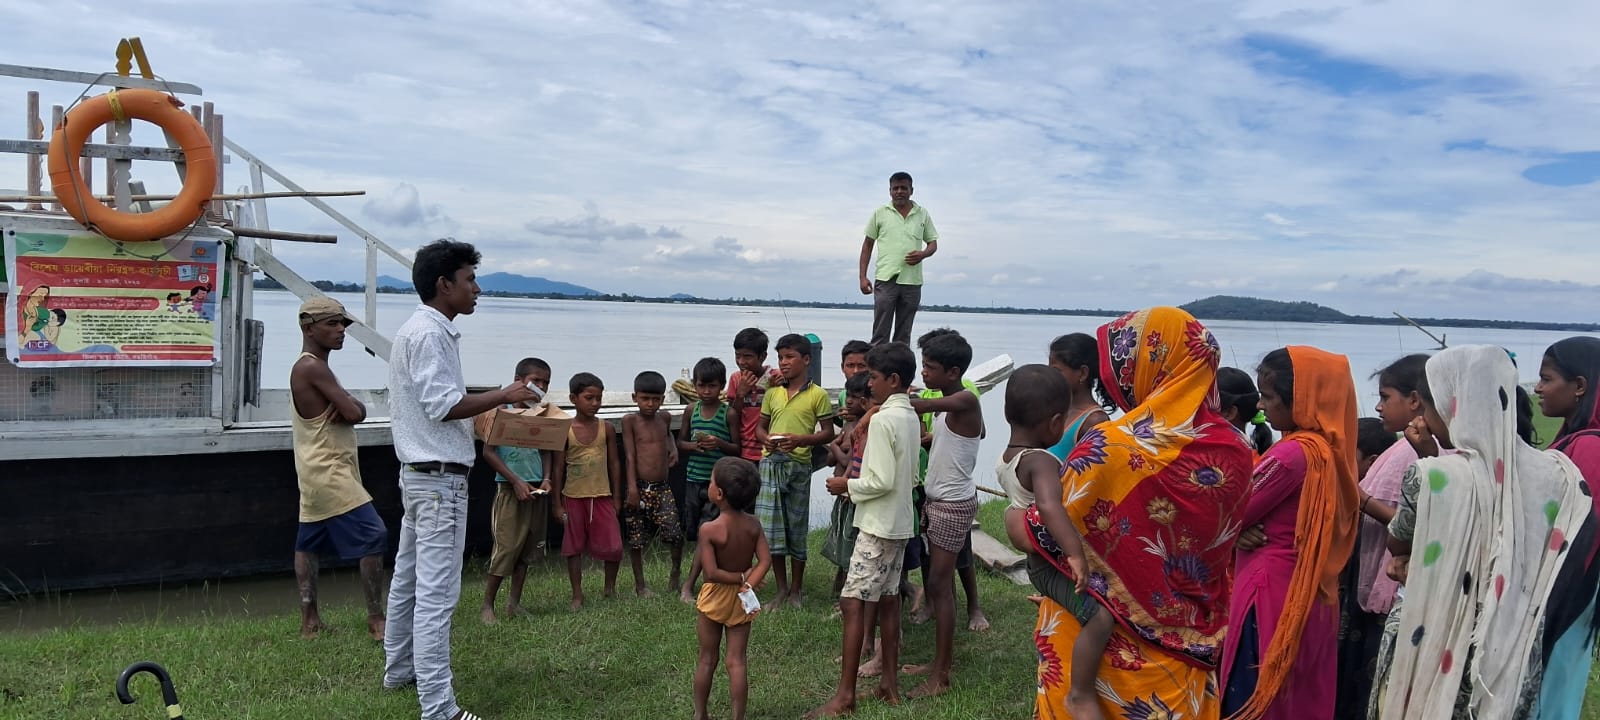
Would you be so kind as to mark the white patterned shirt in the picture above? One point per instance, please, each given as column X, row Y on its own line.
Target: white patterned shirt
column 425, row 382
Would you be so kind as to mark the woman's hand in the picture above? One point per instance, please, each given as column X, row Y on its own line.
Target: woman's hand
column 1421, row 439
column 1252, row 538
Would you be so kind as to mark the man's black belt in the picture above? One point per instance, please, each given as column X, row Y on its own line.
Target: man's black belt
column 439, row 467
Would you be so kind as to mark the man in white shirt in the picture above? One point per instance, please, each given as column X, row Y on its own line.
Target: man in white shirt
column 431, row 418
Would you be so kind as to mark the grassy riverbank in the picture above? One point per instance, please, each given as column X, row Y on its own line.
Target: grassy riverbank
column 622, row 658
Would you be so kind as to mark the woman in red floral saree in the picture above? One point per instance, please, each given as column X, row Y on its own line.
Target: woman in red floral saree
column 1156, row 495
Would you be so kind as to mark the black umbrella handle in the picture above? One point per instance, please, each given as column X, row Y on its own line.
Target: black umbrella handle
column 169, row 694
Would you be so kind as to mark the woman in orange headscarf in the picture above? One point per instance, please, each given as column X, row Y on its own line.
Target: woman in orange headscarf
column 1156, row 495
column 1280, row 657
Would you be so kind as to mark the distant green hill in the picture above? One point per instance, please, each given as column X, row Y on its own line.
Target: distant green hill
column 1229, row 307
column 507, row 284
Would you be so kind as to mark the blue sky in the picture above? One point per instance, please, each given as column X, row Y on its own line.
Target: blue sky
column 1432, row 157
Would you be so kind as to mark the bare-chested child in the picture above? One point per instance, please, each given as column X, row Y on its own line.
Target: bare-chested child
column 650, row 507
column 336, row 513
column 735, row 559
column 1037, row 399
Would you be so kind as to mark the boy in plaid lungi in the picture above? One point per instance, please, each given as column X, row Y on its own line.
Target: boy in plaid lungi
column 795, row 417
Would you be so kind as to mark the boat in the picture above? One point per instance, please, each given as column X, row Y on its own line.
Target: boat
column 126, row 472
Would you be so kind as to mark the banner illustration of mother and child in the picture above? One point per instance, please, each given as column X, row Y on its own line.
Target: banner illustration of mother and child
column 81, row 300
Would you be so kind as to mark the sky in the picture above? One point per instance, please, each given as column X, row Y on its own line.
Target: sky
column 1439, row 158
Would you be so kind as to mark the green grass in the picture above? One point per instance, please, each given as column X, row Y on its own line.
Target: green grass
column 623, row 658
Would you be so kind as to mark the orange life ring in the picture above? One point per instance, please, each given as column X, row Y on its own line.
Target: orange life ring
column 66, row 145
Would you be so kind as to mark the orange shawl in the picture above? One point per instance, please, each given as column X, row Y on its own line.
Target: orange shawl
column 1325, row 524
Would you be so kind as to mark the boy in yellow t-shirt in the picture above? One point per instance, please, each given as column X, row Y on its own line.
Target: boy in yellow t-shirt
column 795, row 417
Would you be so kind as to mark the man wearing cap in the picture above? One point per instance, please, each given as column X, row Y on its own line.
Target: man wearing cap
column 336, row 513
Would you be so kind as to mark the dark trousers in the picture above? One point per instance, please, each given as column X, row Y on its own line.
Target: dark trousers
column 894, row 306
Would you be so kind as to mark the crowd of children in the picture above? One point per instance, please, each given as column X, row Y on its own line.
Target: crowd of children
column 750, row 444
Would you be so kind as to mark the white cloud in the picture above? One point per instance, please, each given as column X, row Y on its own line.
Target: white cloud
column 738, row 150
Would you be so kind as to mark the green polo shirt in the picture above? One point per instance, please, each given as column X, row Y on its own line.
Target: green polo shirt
column 895, row 236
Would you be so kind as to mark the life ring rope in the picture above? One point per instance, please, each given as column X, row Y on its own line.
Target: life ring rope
column 121, row 105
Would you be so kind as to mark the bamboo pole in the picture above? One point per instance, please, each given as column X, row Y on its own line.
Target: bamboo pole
column 283, row 235
column 218, row 152
column 35, row 132
column 222, row 196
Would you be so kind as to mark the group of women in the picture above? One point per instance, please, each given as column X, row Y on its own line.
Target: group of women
column 1337, row 572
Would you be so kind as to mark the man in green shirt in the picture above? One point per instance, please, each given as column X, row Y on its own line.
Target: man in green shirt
column 905, row 236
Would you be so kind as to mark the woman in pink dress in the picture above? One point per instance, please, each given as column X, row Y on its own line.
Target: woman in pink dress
column 1280, row 656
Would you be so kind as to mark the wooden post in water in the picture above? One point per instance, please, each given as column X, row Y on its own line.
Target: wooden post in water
column 35, row 132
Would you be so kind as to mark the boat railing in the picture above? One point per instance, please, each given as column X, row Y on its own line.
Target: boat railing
column 232, row 394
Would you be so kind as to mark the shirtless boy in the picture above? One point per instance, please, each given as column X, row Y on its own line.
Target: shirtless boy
column 735, row 557
column 650, row 508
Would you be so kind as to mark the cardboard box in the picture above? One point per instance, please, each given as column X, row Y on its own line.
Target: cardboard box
column 544, row 427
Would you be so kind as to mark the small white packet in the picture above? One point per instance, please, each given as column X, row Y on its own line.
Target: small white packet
column 751, row 603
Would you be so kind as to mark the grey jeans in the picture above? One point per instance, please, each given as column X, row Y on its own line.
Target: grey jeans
column 894, row 305
column 426, row 588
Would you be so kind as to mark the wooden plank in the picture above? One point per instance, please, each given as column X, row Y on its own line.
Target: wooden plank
column 105, row 79
column 998, row 557
column 94, row 150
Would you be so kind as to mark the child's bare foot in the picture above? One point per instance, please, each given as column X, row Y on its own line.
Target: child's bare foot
column 916, row 669
column 1036, row 599
column 921, row 615
column 890, row 696
column 610, row 594
column 577, row 603
column 1083, row 706
column 676, row 580
column 977, row 621
column 915, row 607
column 644, row 591
column 376, row 626
column 311, row 630
column 932, row 688
column 515, row 611
column 870, row 668
column 487, row 616
column 795, row 600
column 835, row 707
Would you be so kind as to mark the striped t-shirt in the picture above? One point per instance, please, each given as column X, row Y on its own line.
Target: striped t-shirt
column 701, row 461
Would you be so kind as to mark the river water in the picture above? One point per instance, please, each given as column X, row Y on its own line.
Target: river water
column 618, row 340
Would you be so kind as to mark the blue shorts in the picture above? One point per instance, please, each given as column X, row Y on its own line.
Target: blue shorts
column 355, row 534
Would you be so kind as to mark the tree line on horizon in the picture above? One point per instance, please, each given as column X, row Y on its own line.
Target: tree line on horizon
column 1217, row 307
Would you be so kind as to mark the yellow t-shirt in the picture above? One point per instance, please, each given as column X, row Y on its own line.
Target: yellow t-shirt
column 798, row 415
